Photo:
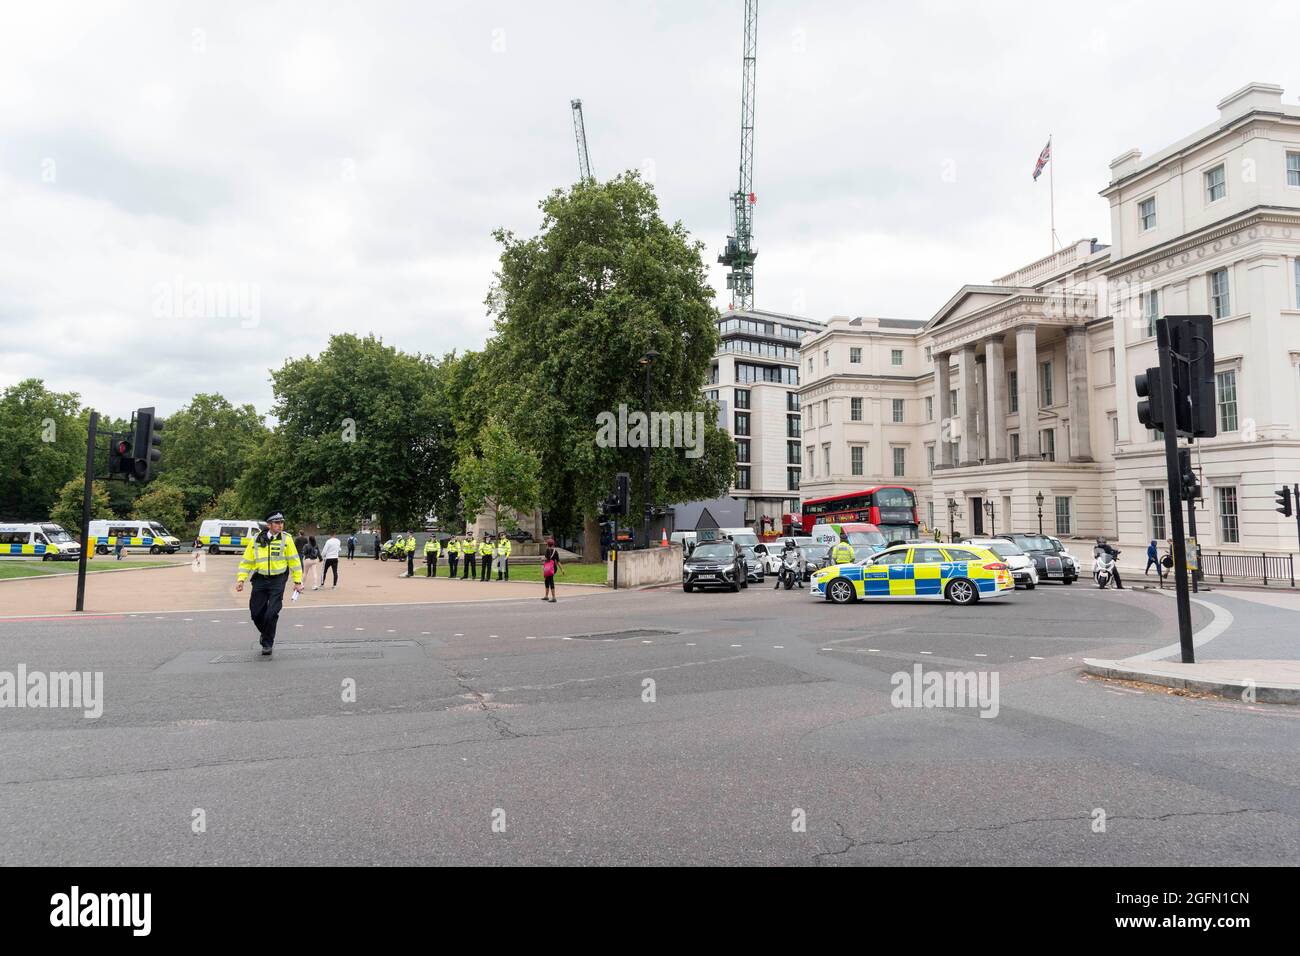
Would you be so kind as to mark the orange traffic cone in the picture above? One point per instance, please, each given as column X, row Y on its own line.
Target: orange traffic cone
column 663, row 542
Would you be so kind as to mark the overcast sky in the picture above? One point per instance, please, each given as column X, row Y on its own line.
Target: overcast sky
column 340, row 167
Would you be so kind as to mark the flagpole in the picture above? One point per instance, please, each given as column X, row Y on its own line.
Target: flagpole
column 1051, row 186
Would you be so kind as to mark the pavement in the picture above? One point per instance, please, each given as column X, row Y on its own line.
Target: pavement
column 362, row 581
column 646, row 727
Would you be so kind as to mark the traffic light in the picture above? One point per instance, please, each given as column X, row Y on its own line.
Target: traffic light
column 1151, row 410
column 616, row 504
column 1282, row 498
column 119, row 455
column 1192, row 336
column 1190, row 482
column 147, row 447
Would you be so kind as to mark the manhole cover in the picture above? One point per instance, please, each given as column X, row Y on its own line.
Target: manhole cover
column 621, row 635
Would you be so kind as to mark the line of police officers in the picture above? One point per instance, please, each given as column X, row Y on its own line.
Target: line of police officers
column 474, row 553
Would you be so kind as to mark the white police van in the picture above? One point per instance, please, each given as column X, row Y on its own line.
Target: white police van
column 132, row 535
column 228, row 534
column 47, row 541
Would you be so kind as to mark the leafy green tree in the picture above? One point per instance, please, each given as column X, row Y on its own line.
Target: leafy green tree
column 207, row 445
column 576, row 307
column 165, row 504
column 227, row 505
column 363, row 429
column 501, row 479
column 43, row 435
column 66, row 510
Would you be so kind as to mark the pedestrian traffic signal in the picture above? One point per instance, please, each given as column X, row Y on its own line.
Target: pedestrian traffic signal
column 1192, row 337
column 147, row 447
column 1187, row 474
column 1151, row 410
column 616, row 503
column 119, row 455
column 1282, row 498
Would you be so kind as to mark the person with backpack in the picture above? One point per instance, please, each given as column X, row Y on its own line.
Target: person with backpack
column 352, row 546
column 550, row 568
column 311, row 562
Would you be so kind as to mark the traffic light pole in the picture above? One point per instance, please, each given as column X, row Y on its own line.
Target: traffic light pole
column 1297, row 514
column 1175, row 479
column 1191, row 533
column 613, row 550
column 85, row 510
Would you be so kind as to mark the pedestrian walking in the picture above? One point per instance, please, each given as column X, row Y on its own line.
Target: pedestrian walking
column 432, row 548
column 269, row 559
column 469, row 551
column 453, row 556
column 504, row 547
column 330, row 555
column 486, row 550
column 352, row 546
column 311, row 562
column 1153, row 558
column 550, row 568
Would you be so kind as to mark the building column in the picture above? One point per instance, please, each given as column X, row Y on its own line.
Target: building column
column 1027, row 390
column 969, row 397
column 995, row 368
column 982, row 407
column 1076, row 370
column 942, row 385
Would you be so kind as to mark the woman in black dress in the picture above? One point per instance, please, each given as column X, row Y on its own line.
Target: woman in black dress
column 550, row 568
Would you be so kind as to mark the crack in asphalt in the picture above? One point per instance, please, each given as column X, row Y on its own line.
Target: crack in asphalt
column 852, row 844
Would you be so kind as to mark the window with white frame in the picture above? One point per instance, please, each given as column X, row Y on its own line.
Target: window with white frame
column 826, row 358
column 1110, row 364
column 1114, row 429
column 929, row 459
column 1151, row 311
column 810, row 365
column 1015, row 445
column 855, row 356
column 1293, row 169
column 811, row 460
column 1045, row 384
column 1063, row 525
column 897, row 408
column 855, row 409
column 1219, row 303
column 1297, row 283
column 1156, row 512
column 929, row 355
column 1047, row 441
column 1215, row 186
column 1229, row 532
column 929, row 507
column 742, row 450
column 1147, row 213
column 855, row 459
column 900, row 462
column 1225, row 386
column 952, row 402
column 826, row 458
column 1013, row 391
column 896, row 358
column 929, row 399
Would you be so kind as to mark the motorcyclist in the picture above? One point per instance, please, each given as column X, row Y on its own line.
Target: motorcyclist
column 1103, row 548
column 791, row 563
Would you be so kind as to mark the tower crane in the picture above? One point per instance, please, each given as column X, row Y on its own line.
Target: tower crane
column 580, row 134
column 739, row 253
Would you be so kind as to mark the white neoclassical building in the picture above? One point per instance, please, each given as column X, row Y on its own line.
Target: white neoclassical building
column 1023, row 387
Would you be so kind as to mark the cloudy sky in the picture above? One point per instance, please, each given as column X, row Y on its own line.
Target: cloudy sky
column 301, row 169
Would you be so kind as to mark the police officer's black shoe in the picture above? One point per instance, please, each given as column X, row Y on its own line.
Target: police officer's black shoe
column 266, row 650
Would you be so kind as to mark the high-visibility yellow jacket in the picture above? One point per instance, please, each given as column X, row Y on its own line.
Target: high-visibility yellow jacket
column 504, row 547
column 842, row 553
column 409, row 544
column 432, row 547
column 485, row 548
column 271, row 556
column 453, row 547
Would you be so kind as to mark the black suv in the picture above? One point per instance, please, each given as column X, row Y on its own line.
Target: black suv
column 1052, row 563
column 716, row 564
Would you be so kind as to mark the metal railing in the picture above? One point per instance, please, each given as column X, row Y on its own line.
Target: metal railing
column 1268, row 568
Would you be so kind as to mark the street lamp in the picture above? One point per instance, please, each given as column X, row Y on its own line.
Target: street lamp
column 647, row 360
column 988, row 507
column 952, row 512
column 1040, row 514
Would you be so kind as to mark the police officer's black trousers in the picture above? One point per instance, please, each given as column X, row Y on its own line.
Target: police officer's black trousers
column 410, row 564
column 470, row 569
column 431, row 565
column 487, row 568
column 503, row 568
column 265, row 603
column 452, row 561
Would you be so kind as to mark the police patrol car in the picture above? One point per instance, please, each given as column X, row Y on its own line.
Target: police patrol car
column 218, row 534
column 107, row 535
column 962, row 574
column 47, row 541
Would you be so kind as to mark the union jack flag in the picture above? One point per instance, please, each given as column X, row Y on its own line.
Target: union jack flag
column 1043, row 157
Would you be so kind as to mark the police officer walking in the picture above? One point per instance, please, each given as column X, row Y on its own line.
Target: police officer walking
column 485, row 551
column 469, row 551
column 453, row 556
column 432, row 548
column 269, row 558
column 843, row 552
column 504, row 547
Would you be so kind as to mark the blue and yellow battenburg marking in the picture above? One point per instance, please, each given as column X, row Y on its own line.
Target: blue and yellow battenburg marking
column 112, row 540
column 226, row 540
column 915, row 580
column 34, row 549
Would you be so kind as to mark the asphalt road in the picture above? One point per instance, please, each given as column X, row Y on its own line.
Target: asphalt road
column 768, row 709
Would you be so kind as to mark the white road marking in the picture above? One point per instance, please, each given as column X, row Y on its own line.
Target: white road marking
column 358, row 629
column 214, row 621
column 737, row 645
column 927, row 652
column 392, row 631
column 329, row 627
column 651, row 642
column 778, row 647
column 426, row 632
column 300, row 625
column 531, row 637
column 458, row 635
column 1032, row 658
column 492, row 637
column 690, row 643
column 981, row 655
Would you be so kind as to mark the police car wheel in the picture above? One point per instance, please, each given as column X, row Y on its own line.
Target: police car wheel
column 101, row 549
column 961, row 592
column 213, row 549
column 155, row 550
column 839, row 591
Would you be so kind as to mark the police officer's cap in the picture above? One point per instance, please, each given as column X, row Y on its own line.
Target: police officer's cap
column 274, row 516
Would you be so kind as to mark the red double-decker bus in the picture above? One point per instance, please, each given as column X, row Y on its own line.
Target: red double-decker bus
column 891, row 508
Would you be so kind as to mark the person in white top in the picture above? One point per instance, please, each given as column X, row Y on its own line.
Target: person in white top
column 330, row 554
